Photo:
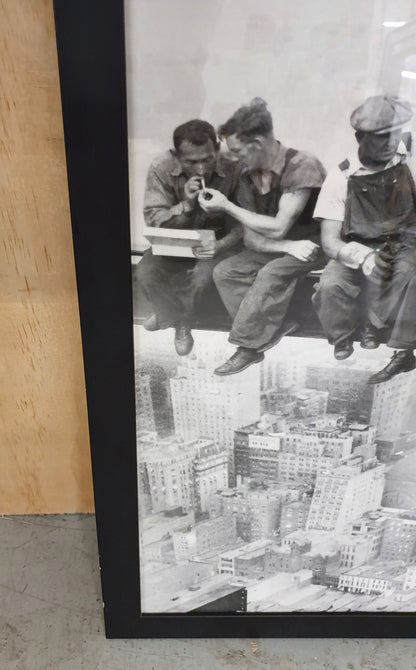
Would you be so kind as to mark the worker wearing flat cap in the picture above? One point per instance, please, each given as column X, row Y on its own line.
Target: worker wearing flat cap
column 367, row 208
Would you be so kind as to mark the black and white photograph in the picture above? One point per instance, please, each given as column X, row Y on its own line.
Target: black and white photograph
column 273, row 253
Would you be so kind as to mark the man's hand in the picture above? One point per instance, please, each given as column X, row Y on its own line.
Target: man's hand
column 211, row 200
column 191, row 189
column 383, row 264
column 207, row 250
column 353, row 254
column 368, row 265
column 303, row 250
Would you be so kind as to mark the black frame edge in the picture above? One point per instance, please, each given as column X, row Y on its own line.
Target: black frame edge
column 90, row 42
column 91, row 55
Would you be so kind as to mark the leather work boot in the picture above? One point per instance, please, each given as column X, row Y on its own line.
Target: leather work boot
column 151, row 323
column 239, row 361
column 401, row 361
column 183, row 340
column 343, row 350
column 369, row 337
column 286, row 329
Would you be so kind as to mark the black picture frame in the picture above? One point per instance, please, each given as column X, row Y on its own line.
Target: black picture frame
column 91, row 53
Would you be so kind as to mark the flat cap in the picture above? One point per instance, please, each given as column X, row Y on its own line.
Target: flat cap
column 381, row 114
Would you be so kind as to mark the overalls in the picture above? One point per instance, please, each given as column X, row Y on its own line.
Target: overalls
column 380, row 213
column 256, row 286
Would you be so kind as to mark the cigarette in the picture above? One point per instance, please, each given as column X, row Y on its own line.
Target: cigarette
column 205, row 194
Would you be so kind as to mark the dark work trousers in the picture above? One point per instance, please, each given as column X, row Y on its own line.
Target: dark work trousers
column 171, row 287
column 391, row 303
column 256, row 288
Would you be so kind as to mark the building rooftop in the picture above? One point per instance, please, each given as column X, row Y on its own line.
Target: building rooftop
column 358, row 426
column 398, row 513
column 279, row 583
column 351, row 538
column 206, row 523
column 249, row 550
column 323, row 543
column 284, row 549
column 163, row 449
column 385, row 570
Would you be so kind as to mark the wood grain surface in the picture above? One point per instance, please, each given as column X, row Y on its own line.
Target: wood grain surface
column 44, row 448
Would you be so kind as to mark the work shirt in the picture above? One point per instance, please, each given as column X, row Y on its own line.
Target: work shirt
column 164, row 198
column 333, row 194
column 375, row 207
column 291, row 171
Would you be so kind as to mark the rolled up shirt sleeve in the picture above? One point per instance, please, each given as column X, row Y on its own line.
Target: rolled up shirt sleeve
column 332, row 197
column 161, row 203
column 304, row 170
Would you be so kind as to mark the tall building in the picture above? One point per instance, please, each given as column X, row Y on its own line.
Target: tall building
column 285, row 372
column 311, row 402
column 284, row 367
column 204, row 537
column 363, row 440
column 145, row 419
column 210, row 474
column 400, row 487
column 260, row 514
column 390, row 412
column 362, row 541
column 256, row 453
column 176, row 473
column 277, row 402
column 361, row 544
column 345, row 493
column 346, row 383
column 205, row 405
column 399, row 537
column 294, row 515
column 298, row 404
column 296, row 454
column 308, row 448
column 256, row 510
column 166, row 472
column 154, row 358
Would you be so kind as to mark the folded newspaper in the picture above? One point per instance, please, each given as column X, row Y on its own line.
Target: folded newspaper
column 176, row 241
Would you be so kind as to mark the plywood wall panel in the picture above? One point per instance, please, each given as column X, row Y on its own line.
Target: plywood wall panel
column 44, row 448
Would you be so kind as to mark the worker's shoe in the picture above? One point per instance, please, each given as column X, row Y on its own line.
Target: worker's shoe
column 183, row 340
column 370, row 337
column 151, row 323
column 401, row 361
column 343, row 350
column 241, row 360
column 287, row 329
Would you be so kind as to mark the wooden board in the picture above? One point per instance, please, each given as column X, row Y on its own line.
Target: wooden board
column 44, row 447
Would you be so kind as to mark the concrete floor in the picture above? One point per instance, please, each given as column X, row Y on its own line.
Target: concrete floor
column 51, row 617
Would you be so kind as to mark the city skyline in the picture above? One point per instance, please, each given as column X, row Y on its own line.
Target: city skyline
column 284, row 474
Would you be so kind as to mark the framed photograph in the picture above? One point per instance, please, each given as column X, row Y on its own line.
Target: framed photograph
column 247, row 336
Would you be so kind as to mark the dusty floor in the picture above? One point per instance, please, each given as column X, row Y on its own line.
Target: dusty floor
column 51, row 617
